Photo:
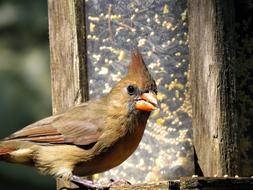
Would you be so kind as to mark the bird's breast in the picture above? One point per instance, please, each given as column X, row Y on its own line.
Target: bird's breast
column 114, row 155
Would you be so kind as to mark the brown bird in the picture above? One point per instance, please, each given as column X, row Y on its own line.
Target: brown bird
column 92, row 137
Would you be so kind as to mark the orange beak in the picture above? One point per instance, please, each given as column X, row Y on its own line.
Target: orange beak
column 147, row 102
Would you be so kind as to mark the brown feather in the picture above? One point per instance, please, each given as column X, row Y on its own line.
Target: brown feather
column 75, row 126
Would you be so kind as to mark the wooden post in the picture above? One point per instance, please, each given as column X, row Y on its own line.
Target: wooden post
column 214, row 119
column 68, row 56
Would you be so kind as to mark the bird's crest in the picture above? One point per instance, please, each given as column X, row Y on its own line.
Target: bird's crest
column 137, row 63
column 137, row 68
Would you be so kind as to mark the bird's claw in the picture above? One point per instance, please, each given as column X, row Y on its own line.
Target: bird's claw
column 90, row 185
column 119, row 182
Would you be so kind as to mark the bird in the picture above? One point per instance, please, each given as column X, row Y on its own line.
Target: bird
column 92, row 137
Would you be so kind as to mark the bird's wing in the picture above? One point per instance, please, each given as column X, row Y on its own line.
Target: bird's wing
column 82, row 125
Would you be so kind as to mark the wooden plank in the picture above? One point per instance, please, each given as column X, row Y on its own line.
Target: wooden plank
column 67, row 53
column 160, row 185
column 194, row 183
column 214, row 119
column 215, row 183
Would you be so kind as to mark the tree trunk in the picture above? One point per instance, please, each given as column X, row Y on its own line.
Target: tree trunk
column 68, row 56
column 214, row 119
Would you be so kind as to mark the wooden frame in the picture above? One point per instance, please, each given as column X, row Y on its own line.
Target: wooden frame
column 215, row 127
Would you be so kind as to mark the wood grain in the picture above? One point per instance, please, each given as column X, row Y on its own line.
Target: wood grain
column 214, row 119
column 67, row 53
column 161, row 185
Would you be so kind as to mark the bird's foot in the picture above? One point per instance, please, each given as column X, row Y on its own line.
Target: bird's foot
column 119, row 182
column 88, row 184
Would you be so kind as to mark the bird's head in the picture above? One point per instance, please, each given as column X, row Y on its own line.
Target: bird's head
column 137, row 90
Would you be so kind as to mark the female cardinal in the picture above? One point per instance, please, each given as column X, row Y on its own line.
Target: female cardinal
column 92, row 137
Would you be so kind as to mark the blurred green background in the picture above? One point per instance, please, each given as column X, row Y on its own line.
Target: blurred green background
column 24, row 81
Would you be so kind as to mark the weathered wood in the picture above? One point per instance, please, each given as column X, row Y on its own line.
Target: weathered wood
column 213, row 86
column 194, row 183
column 161, row 185
column 214, row 183
column 68, row 55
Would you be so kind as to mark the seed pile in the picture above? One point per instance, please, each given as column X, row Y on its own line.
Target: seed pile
column 159, row 30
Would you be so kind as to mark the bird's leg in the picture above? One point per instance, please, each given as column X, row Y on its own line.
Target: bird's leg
column 88, row 183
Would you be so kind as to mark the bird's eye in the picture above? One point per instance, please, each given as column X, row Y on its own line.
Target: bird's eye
column 131, row 90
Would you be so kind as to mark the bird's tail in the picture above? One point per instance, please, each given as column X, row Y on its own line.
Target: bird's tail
column 4, row 151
